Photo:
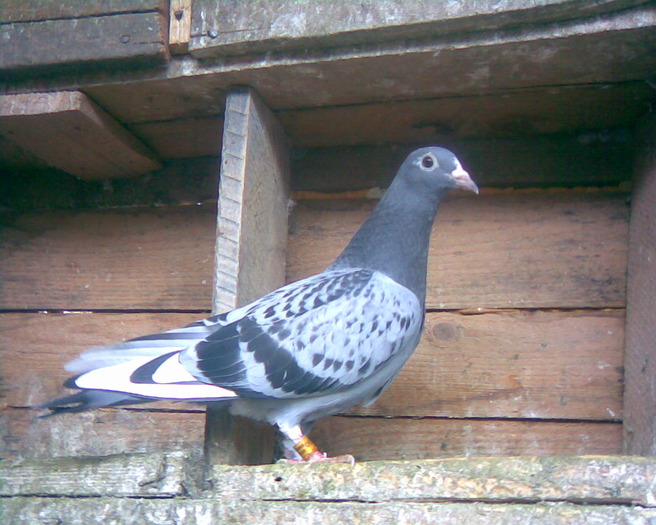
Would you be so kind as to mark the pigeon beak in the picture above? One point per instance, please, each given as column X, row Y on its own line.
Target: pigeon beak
column 463, row 180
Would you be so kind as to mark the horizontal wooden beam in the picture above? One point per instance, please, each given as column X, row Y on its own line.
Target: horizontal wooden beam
column 70, row 132
column 518, row 249
column 228, row 28
column 133, row 39
column 157, row 259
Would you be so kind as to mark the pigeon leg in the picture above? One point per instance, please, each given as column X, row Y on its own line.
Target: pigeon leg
column 309, row 452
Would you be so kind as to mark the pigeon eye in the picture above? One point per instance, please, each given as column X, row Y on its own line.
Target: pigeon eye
column 428, row 162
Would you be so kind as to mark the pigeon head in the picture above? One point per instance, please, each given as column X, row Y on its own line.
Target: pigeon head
column 436, row 169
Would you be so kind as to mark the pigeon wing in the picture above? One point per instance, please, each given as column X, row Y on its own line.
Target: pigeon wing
column 319, row 335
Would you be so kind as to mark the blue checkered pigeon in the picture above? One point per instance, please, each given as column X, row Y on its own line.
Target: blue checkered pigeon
column 313, row 348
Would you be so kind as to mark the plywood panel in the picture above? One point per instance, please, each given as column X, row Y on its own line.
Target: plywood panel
column 502, row 250
column 149, row 258
column 374, row 439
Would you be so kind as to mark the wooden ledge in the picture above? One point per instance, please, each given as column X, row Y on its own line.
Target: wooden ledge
column 149, row 488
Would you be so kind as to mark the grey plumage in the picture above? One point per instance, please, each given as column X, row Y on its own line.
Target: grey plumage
column 309, row 349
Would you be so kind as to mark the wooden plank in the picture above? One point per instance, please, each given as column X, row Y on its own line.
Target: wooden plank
column 179, row 25
column 99, row 433
column 36, row 346
column 70, row 132
column 131, row 38
column 545, row 365
column 34, row 10
column 597, row 479
column 640, row 361
column 125, row 511
column 622, row 480
column 532, row 249
column 251, row 245
column 535, row 365
column 253, row 203
column 184, row 138
column 545, row 161
column 148, row 258
column 518, row 121
column 613, row 48
column 120, row 475
column 562, row 109
column 181, row 182
column 380, row 439
column 229, row 28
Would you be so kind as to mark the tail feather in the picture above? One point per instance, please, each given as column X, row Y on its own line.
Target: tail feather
column 88, row 399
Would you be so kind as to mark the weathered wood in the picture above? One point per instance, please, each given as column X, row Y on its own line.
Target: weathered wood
column 640, row 359
column 126, row 511
column 613, row 48
column 530, row 249
column 130, row 39
column 99, row 432
column 180, row 182
column 547, row 365
column 545, row 161
column 227, row 27
column 475, row 490
column 253, row 203
column 536, row 365
column 376, row 439
column 194, row 137
column 121, row 476
column 500, row 137
column 530, row 112
column 157, row 258
column 251, row 244
column 35, row 348
column 179, row 25
column 583, row 479
column 34, row 10
column 70, row 132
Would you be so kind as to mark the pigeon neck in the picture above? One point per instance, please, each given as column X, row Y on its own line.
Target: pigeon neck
column 394, row 240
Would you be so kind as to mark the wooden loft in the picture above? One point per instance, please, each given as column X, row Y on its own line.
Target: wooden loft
column 334, row 75
column 531, row 392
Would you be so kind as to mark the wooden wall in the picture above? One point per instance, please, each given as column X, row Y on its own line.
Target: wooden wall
column 79, row 278
column 522, row 351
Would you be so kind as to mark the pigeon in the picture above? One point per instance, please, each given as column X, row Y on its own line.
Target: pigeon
column 310, row 349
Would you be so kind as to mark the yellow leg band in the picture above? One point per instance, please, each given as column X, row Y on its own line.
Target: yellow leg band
column 305, row 447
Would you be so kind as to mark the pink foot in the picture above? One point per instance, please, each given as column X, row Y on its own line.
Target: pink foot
column 321, row 457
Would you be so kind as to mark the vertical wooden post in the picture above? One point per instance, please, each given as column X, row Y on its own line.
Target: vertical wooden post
column 640, row 356
column 251, row 246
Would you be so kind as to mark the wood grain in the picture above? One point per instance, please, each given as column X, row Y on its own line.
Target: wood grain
column 544, row 365
column 640, row 394
column 70, row 132
column 251, row 246
column 99, row 433
column 151, row 258
column 129, row 38
column 504, row 250
column 34, row 10
column 374, row 439
column 510, row 364
column 35, row 347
